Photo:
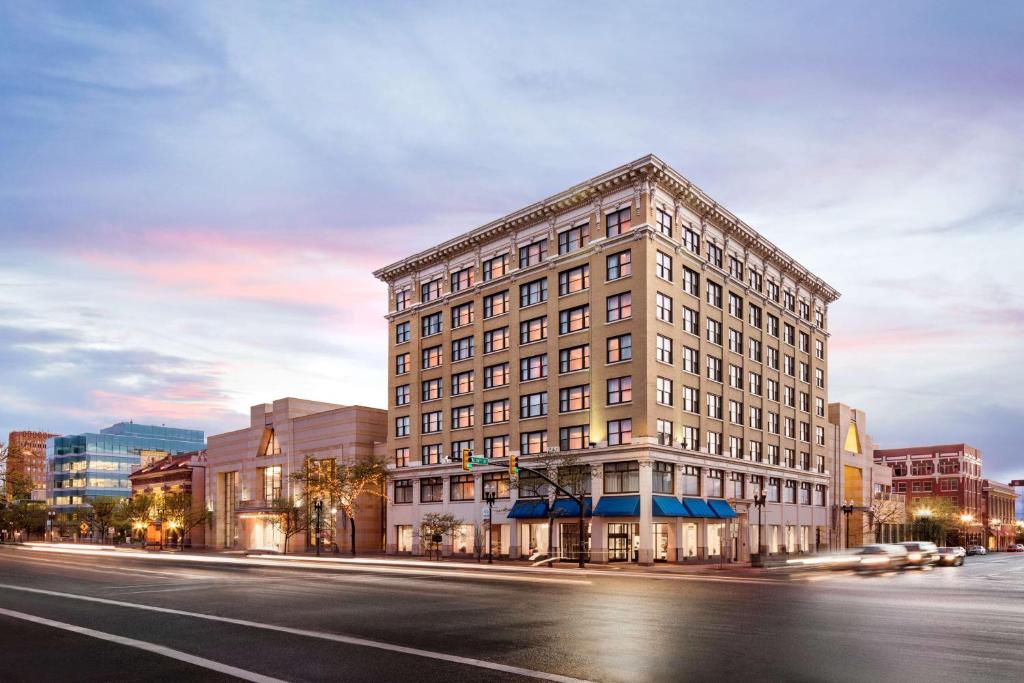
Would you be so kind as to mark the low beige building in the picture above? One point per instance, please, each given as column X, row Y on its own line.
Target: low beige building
column 864, row 508
column 251, row 475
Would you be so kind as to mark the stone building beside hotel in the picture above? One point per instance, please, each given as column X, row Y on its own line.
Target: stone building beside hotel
column 634, row 323
column 250, row 474
column 26, row 462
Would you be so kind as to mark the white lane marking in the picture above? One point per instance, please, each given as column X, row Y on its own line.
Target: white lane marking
column 322, row 635
column 148, row 647
column 111, row 569
column 166, row 590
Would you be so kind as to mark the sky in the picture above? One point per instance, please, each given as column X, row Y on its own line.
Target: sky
column 193, row 196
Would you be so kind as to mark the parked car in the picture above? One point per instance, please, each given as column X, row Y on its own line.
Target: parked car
column 952, row 557
column 1015, row 548
column 882, row 556
column 921, row 553
column 976, row 550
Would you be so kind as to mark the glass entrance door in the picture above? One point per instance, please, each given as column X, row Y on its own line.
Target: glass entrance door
column 623, row 542
column 660, row 542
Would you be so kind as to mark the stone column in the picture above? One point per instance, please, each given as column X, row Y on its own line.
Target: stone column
column 646, row 555
column 417, row 544
column 514, row 551
column 598, row 526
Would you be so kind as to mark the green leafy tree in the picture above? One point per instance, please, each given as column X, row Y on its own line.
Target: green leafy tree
column 102, row 514
column 345, row 487
column 936, row 520
column 439, row 525
column 14, row 485
column 135, row 513
column 180, row 511
column 23, row 516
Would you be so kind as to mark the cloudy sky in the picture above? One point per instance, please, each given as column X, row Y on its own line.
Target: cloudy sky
column 192, row 197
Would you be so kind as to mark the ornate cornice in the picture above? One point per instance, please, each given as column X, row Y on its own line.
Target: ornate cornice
column 645, row 172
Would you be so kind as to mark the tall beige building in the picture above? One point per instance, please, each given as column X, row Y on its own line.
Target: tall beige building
column 635, row 323
column 251, row 470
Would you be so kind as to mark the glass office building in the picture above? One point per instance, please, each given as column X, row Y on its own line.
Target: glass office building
column 83, row 466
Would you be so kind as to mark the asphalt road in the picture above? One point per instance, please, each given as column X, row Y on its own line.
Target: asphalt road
column 169, row 618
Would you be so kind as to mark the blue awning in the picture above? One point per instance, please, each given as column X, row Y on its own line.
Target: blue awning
column 669, row 506
column 618, row 506
column 722, row 508
column 529, row 509
column 567, row 507
column 698, row 508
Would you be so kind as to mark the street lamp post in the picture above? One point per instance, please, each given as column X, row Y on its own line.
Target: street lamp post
column 50, row 515
column 759, row 500
column 847, row 508
column 489, row 497
column 319, row 507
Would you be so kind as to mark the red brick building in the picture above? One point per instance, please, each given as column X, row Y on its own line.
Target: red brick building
column 182, row 473
column 28, row 458
column 926, row 473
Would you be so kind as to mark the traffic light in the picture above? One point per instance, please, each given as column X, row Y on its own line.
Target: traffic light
column 513, row 464
column 466, row 464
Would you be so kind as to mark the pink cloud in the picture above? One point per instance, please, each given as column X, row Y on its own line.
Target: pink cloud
column 183, row 409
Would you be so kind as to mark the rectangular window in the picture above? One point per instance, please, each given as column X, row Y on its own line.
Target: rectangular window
column 756, row 282
column 690, row 477
column 618, row 222
column 736, row 484
column 574, row 358
column 736, row 341
column 533, row 405
column 691, row 399
column 663, row 350
column 430, row 454
column 496, row 411
column 664, row 220
column 496, row 375
column 662, row 473
column 430, row 290
column 431, row 490
column 619, row 265
column 755, row 384
column 620, row 348
column 432, row 324
column 773, row 454
column 691, row 321
column 431, row 357
column 622, row 477
column 754, row 316
column 495, row 267
column 461, row 487
column 773, row 326
column 496, row 339
column 430, row 390
column 663, row 391
column 432, row 422
column 532, row 254
column 714, row 484
column 496, row 304
column 533, row 293
column 819, row 349
column 462, row 417
column 620, row 390
column 773, row 489
column 714, row 406
column 462, row 383
column 462, row 315
column 619, row 306
column 402, row 395
column 533, row 443
column 403, row 491
column 663, row 307
column 772, row 357
column 735, row 377
column 755, row 350
column 691, row 281
column 402, row 457
column 574, row 319
column 664, row 430
column 403, row 299
column 714, row 294
column 714, row 368
column 773, row 290
column 714, row 331
column 691, row 240
column 574, row 280
column 735, row 306
column 790, row 492
column 574, row 238
column 402, row 426
column 497, row 447
column 736, row 268
column 462, row 279
column 691, row 360
column 462, row 349
column 571, row 399
column 736, row 412
column 402, row 332
column 533, row 367
column 691, row 438
column 788, row 333
column 533, row 330
column 715, row 255
column 663, row 266
column 574, row 438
